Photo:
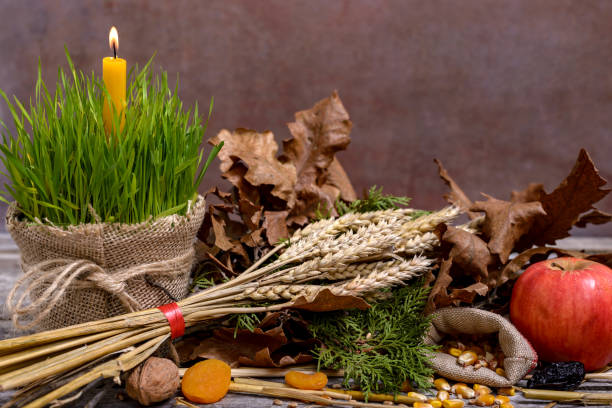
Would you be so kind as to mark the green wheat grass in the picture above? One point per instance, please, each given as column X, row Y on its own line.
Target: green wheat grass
column 61, row 164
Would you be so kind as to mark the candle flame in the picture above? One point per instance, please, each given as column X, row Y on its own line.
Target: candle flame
column 113, row 39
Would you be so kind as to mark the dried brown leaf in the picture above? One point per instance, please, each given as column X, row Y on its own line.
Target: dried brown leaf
column 467, row 294
column 263, row 358
column 281, row 339
column 254, row 239
column 456, row 196
column 468, row 251
column 275, row 224
column 224, row 346
column 511, row 270
column 251, row 213
column 224, row 196
column 337, row 177
column 533, row 192
column 258, row 152
column 605, row 259
column 438, row 297
column 325, row 301
column 222, row 241
column 318, row 134
column 595, row 217
column 563, row 207
column 506, row 222
column 244, row 189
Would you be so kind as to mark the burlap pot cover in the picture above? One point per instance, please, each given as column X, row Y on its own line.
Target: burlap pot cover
column 520, row 356
column 93, row 271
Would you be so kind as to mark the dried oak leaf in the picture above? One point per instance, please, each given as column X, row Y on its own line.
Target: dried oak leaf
column 245, row 190
column 595, row 217
column 337, row 177
column 563, row 207
column 260, row 348
column 225, row 347
column 318, row 134
column 533, row 192
column 263, row 358
column 532, row 255
column 325, row 301
column 275, row 225
column 467, row 294
column 250, row 212
column 438, row 296
column 456, row 196
column 253, row 239
column 258, row 152
column 506, row 222
column 222, row 241
column 467, row 250
column 605, row 259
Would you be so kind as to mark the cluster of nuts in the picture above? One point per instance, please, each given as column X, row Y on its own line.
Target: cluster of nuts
column 479, row 395
column 471, row 354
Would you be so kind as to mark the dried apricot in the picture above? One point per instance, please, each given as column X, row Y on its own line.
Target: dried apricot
column 296, row 379
column 207, row 381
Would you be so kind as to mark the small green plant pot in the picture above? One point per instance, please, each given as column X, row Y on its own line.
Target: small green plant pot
column 97, row 270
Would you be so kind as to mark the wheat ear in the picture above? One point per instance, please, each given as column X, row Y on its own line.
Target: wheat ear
column 388, row 278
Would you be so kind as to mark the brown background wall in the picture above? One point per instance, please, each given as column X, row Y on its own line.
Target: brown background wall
column 503, row 92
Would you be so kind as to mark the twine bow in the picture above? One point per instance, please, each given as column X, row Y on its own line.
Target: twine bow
column 46, row 282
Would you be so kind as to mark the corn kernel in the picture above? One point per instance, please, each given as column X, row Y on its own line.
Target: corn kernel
column 509, row 391
column 481, row 389
column 417, row 396
column 485, row 400
column 467, row 358
column 453, row 403
column 501, row 399
column 464, row 391
column 442, row 384
column 500, row 371
column 506, row 405
column 442, row 395
column 455, row 352
column 422, row 405
column 435, row 403
column 454, row 387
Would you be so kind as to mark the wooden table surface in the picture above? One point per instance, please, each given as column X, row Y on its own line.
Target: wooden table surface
column 9, row 267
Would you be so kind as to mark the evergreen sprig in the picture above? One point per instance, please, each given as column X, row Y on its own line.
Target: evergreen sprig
column 374, row 200
column 61, row 164
column 381, row 347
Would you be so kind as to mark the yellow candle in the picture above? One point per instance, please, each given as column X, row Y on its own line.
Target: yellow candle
column 114, row 74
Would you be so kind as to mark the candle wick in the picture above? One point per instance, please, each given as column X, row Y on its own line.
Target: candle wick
column 115, row 50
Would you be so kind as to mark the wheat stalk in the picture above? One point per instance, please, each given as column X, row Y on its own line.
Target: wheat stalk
column 333, row 226
column 356, row 269
column 383, row 279
column 381, row 275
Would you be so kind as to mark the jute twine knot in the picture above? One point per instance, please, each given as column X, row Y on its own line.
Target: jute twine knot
column 44, row 284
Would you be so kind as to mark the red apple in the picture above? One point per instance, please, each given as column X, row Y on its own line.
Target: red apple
column 563, row 306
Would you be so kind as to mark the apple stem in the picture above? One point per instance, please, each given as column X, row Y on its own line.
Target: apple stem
column 558, row 266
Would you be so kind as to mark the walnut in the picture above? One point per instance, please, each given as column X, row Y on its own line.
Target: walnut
column 155, row 380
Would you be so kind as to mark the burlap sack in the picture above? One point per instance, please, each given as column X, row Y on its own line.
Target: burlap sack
column 520, row 356
column 93, row 271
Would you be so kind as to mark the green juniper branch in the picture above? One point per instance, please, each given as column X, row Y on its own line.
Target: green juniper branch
column 381, row 347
